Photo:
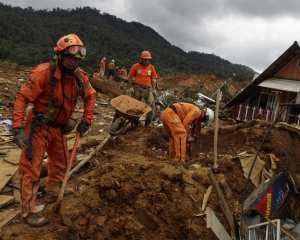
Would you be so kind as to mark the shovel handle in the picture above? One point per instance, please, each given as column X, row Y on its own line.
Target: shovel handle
column 56, row 207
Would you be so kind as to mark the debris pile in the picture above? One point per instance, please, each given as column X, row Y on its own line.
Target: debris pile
column 128, row 188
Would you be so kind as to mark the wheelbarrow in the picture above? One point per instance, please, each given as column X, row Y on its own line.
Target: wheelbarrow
column 127, row 110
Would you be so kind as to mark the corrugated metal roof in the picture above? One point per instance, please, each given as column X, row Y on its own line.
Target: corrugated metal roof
column 281, row 84
column 270, row 72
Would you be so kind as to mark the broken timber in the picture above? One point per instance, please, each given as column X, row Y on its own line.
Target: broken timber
column 213, row 223
column 7, row 171
column 206, row 197
column 223, row 202
column 7, row 216
column 89, row 157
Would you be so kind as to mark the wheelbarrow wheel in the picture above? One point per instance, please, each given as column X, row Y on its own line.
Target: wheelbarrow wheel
column 116, row 125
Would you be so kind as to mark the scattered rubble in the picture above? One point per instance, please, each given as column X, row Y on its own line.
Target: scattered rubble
column 129, row 188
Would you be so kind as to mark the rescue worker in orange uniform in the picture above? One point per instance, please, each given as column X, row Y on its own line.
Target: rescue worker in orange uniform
column 111, row 70
column 96, row 74
column 44, row 132
column 118, row 71
column 124, row 72
column 144, row 85
column 182, row 122
column 102, row 66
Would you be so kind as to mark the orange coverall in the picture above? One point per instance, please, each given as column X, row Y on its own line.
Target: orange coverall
column 177, row 126
column 49, row 138
column 96, row 74
column 111, row 65
column 124, row 73
column 102, row 64
column 102, row 67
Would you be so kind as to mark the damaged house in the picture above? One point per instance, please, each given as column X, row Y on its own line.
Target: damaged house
column 273, row 91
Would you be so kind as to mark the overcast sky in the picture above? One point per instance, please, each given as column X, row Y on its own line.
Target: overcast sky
column 248, row 32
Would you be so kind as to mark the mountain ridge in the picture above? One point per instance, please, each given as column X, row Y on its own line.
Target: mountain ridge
column 28, row 35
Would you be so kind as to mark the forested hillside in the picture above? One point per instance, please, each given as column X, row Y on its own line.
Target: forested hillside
column 27, row 37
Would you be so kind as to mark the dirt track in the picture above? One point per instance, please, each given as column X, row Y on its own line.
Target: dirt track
column 133, row 190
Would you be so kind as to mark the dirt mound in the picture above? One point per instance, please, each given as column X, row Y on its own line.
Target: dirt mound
column 131, row 189
column 209, row 83
column 134, row 190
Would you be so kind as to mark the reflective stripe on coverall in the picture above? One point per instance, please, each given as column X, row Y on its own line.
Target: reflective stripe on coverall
column 47, row 138
column 177, row 127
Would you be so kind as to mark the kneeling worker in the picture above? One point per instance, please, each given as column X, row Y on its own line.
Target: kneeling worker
column 177, row 120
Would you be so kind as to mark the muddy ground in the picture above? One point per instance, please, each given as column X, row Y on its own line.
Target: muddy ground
column 131, row 189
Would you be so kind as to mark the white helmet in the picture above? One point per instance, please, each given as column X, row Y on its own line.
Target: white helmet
column 104, row 58
column 210, row 115
column 113, row 60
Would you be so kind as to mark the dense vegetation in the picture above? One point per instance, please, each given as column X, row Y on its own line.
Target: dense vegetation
column 27, row 37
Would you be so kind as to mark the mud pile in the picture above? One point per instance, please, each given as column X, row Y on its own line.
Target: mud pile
column 208, row 83
column 131, row 189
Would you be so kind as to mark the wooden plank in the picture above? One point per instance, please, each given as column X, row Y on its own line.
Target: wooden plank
column 13, row 156
column 7, row 170
column 223, row 202
column 206, row 197
column 6, row 134
column 8, row 147
column 7, row 216
column 89, row 157
column 3, row 153
column 83, row 141
column 5, row 138
column 213, row 223
column 17, row 194
column 5, row 200
column 6, row 191
column 225, row 186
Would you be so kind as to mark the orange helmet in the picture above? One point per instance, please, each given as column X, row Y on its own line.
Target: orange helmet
column 71, row 45
column 146, row 55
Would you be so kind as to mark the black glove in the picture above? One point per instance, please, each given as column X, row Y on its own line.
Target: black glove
column 82, row 127
column 20, row 137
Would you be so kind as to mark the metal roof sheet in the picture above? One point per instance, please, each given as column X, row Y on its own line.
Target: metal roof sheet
column 281, row 84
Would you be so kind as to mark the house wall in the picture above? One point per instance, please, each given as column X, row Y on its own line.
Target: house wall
column 291, row 71
column 245, row 112
column 283, row 97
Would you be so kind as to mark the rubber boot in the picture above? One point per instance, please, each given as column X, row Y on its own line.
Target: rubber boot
column 35, row 220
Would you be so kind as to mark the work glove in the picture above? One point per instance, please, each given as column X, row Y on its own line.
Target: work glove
column 82, row 127
column 154, row 94
column 131, row 91
column 19, row 137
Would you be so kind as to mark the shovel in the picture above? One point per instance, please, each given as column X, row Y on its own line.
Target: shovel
column 57, row 206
